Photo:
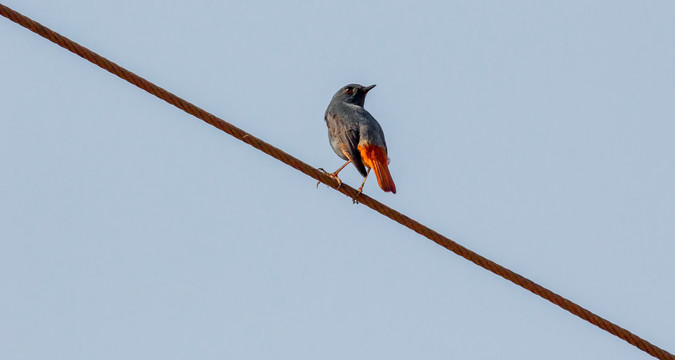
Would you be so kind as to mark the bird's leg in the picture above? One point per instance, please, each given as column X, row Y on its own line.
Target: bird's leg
column 360, row 190
column 334, row 175
column 340, row 169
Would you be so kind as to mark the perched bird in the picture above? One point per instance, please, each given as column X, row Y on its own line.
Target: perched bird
column 357, row 137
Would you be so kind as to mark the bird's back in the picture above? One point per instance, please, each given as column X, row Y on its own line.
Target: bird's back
column 344, row 116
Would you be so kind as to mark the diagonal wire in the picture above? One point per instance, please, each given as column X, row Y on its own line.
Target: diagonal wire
column 288, row 159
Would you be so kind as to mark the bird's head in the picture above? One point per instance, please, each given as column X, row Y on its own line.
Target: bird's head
column 353, row 94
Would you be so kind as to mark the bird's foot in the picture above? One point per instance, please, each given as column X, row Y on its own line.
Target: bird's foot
column 358, row 192
column 319, row 182
column 333, row 175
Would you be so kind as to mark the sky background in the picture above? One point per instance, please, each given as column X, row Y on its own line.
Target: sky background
column 538, row 134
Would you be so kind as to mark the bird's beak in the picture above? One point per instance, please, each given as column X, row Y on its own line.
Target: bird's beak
column 368, row 88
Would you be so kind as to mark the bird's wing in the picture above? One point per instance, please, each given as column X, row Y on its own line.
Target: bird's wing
column 370, row 131
column 347, row 134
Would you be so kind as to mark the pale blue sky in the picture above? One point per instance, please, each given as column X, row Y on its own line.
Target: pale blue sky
column 539, row 134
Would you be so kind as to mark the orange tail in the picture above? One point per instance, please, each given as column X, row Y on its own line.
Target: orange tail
column 375, row 157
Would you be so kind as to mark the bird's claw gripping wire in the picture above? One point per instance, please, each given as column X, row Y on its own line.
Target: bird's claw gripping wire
column 332, row 175
column 358, row 192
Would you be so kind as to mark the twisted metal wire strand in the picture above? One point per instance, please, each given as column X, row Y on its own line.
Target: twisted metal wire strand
column 286, row 158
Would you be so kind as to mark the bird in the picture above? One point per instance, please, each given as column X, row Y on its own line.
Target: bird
column 357, row 137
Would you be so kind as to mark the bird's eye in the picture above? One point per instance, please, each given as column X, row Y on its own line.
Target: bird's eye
column 349, row 91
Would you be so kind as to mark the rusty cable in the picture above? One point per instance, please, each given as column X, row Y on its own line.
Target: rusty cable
column 288, row 159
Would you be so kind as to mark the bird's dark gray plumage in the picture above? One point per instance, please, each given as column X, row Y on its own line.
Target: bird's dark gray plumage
column 356, row 136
